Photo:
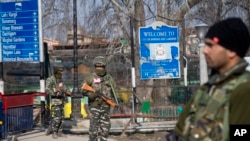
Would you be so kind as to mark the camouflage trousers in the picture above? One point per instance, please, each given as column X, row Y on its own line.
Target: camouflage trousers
column 57, row 117
column 99, row 123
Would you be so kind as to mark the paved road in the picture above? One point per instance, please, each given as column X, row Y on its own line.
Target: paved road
column 78, row 130
column 40, row 136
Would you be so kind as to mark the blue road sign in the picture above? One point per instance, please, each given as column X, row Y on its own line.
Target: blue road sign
column 19, row 27
column 159, row 51
column 20, row 33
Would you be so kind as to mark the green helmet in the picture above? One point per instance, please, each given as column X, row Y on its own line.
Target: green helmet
column 58, row 68
column 100, row 60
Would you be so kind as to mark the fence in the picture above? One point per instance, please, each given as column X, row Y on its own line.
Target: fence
column 166, row 107
column 162, row 105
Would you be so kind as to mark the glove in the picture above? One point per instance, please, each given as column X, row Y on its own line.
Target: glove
column 59, row 94
column 55, row 90
column 120, row 100
column 98, row 93
column 120, row 109
column 92, row 96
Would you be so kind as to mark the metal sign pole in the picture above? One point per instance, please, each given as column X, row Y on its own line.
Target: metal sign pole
column 76, row 97
column 41, row 51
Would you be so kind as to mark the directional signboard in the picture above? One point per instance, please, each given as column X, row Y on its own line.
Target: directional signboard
column 159, row 51
column 19, row 31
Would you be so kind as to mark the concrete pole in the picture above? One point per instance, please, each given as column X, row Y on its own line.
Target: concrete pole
column 185, row 71
column 203, row 66
column 201, row 30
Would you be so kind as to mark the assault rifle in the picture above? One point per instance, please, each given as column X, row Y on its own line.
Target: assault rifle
column 105, row 98
column 61, row 91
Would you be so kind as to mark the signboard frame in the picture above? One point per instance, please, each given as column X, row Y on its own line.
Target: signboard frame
column 159, row 51
column 21, row 37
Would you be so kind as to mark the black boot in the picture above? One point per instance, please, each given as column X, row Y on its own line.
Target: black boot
column 48, row 131
column 60, row 134
column 54, row 135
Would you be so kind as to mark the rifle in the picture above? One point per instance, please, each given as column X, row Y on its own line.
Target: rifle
column 61, row 90
column 105, row 98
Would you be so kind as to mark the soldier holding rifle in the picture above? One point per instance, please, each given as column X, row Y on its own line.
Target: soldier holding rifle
column 58, row 93
column 101, row 97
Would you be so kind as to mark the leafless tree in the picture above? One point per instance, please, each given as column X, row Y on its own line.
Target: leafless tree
column 113, row 17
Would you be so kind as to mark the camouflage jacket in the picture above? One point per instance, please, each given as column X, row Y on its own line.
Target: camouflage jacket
column 217, row 104
column 56, row 98
column 104, row 85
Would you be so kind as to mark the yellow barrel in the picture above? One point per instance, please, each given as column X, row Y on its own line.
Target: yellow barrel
column 67, row 107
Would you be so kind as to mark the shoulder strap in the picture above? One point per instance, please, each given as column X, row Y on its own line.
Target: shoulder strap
column 110, row 81
column 107, row 77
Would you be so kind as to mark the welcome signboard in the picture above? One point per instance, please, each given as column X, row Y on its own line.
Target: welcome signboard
column 159, row 51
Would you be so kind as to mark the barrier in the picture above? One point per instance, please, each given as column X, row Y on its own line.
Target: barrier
column 17, row 112
column 67, row 108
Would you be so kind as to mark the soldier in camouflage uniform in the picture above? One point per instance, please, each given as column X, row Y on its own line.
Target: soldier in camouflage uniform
column 57, row 92
column 99, row 110
column 221, row 101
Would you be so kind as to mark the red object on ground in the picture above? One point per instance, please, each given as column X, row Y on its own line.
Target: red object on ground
column 19, row 99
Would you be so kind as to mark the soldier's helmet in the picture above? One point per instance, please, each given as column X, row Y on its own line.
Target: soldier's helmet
column 58, row 68
column 100, row 61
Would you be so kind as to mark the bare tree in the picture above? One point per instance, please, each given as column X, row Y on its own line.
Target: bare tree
column 113, row 17
column 57, row 18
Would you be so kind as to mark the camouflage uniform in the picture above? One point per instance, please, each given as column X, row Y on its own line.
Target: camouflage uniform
column 98, row 108
column 217, row 104
column 57, row 103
